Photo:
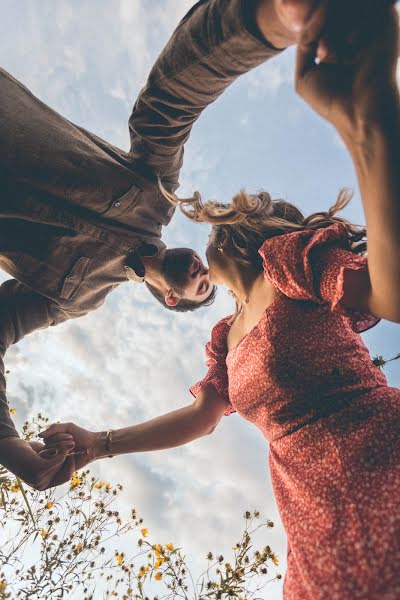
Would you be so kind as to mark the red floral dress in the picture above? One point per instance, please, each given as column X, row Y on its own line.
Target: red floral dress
column 305, row 378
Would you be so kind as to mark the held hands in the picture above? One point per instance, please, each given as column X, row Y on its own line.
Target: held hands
column 87, row 443
column 38, row 467
column 52, row 466
column 359, row 62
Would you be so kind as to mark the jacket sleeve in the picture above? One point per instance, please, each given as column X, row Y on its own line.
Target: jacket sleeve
column 213, row 44
column 21, row 312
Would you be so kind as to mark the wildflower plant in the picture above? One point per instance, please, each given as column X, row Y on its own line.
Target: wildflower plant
column 63, row 543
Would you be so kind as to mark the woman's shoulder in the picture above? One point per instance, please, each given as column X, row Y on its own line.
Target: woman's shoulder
column 289, row 259
column 304, row 240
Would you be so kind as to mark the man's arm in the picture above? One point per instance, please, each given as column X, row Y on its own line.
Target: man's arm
column 215, row 42
column 21, row 312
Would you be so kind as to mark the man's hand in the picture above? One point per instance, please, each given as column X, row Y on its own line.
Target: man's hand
column 38, row 467
column 336, row 29
column 353, row 90
column 283, row 22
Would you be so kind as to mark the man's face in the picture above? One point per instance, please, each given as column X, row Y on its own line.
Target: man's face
column 186, row 274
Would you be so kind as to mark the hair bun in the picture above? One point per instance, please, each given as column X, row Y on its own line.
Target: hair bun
column 267, row 203
column 247, row 204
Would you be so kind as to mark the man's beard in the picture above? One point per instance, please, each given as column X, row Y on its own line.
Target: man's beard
column 175, row 268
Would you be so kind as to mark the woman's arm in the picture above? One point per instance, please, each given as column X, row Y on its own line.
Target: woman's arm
column 361, row 100
column 375, row 151
column 167, row 431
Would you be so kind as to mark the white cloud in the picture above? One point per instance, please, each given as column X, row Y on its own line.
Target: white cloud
column 132, row 360
column 272, row 76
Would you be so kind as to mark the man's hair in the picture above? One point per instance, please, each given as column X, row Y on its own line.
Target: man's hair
column 183, row 304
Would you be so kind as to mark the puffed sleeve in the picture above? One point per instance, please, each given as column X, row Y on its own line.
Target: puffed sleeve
column 310, row 265
column 217, row 374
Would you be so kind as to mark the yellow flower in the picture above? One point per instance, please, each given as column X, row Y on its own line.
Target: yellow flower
column 78, row 548
column 108, row 487
column 15, row 487
column 158, row 576
column 3, row 585
column 44, row 534
column 75, row 480
column 48, row 504
column 157, row 548
column 169, row 547
column 144, row 532
column 142, row 571
column 274, row 559
column 13, row 411
column 120, row 559
column 99, row 485
column 158, row 563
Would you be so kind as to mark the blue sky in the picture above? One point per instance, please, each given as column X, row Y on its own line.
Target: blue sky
column 131, row 360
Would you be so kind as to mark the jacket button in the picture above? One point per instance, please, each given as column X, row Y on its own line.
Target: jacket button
column 117, row 204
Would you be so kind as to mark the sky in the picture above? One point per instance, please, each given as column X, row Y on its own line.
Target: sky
column 132, row 360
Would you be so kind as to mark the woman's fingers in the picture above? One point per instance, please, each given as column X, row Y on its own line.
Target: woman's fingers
column 57, row 449
column 313, row 28
column 55, row 428
column 57, row 438
column 305, row 60
column 62, row 447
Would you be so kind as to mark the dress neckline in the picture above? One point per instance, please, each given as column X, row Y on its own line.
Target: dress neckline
column 256, row 326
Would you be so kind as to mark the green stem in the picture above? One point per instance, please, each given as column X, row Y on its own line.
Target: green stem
column 26, row 500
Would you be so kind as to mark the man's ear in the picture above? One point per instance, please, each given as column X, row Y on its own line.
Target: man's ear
column 171, row 299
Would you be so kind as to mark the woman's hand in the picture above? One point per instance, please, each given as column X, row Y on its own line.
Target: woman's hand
column 86, row 442
column 352, row 90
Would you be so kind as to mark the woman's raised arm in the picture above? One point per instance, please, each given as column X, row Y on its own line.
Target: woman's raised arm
column 361, row 99
column 167, row 431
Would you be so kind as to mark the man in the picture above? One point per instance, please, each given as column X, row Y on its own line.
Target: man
column 79, row 216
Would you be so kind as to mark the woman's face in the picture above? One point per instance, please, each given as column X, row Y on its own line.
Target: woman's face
column 216, row 259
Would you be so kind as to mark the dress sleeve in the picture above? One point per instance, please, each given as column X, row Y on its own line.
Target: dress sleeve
column 310, row 265
column 217, row 374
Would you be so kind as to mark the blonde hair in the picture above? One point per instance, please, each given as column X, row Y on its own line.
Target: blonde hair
column 248, row 220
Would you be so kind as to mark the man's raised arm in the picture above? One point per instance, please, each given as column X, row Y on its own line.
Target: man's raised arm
column 214, row 43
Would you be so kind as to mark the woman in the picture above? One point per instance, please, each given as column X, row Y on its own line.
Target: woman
column 290, row 359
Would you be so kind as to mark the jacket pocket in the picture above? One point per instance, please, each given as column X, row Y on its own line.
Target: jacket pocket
column 75, row 277
column 124, row 204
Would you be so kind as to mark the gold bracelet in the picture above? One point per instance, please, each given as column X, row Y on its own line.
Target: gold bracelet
column 108, row 443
